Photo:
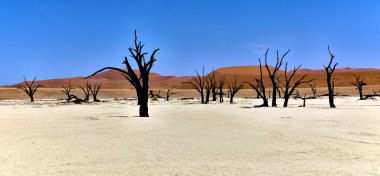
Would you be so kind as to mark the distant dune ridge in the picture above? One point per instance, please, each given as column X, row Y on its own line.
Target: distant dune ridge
column 114, row 80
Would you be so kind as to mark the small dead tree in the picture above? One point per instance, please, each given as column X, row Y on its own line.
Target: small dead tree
column 95, row 91
column 304, row 98
column 359, row 83
column 153, row 95
column 168, row 93
column 220, row 89
column 329, row 73
column 313, row 90
column 289, row 89
column 67, row 90
column 139, row 82
column 259, row 87
column 198, row 83
column 233, row 89
column 76, row 99
column 273, row 74
column 86, row 92
column 30, row 88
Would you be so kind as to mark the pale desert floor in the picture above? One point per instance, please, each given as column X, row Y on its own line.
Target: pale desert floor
column 188, row 138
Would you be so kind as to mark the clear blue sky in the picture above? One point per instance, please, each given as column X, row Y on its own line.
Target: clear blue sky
column 65, row 38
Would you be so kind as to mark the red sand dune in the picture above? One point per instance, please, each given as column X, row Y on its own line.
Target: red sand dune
column 114, row 80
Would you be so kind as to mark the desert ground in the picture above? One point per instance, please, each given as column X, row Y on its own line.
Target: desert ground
column 183, row 137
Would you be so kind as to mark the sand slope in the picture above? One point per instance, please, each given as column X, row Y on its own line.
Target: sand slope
column 187, row 138
column 114, row 80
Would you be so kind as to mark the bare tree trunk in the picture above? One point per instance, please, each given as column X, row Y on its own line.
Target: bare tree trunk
column 330, row 84
column 289, row 89
column 359, row 83
column 30, row 88
column 139, row 82
column 273, row 75
column 233, row 89
column 198, row 83
column 260, row 88
column 314, row 90
column 168, row 93
column 143, row 99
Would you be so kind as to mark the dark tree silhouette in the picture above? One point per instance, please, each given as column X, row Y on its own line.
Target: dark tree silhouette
column 168, row 93
column 289, row 89
column 30, row 88
column 199, row 83
column 233, row 89
column 304, row 98
column 359, row 83
column 313, row 90
column 153, row 95
column 279, row 88
column 76, row 99
column 67, row 90
column 86, row 92
column 273, row 75
column 329, row 73
column 212, row 79
column 208, row 89
column 220, row 89
column 95, row 91
column 259, row 87
column 139, row 82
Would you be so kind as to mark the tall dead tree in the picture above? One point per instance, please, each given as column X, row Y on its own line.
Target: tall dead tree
column 199, row 83
column 67, row 90
column 233, row 89
column 259, row 87
column 359, row 83
column 220, row 89
column 313, row 90
column 86, row 91
column 289, row 89
column 168, row 93
column 139, row 81
column 95, row 91
column 273, row 74
column 329, row 73
column 30, row 88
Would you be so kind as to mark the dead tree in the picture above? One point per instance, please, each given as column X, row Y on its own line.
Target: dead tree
column 233, row 89
column 273, row 75
column 30, row 88
column 153, row 95
column 289, row 89
column 329, row 73
column 259, row 87
column 304, row 98
column 220, row 89
column 208, row 89
column 168, row 93
column 199, row 83
column 86, row 92
column 76, row 99
column 359, row 83
column 139, row 82
column 67, row 90
column 94, row 91
column 313, row 90
column 211, row 77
